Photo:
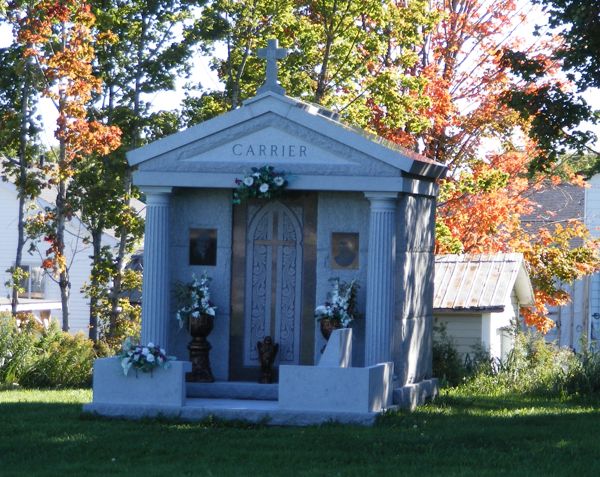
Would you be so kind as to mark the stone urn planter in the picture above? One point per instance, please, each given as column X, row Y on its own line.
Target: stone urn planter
column 199, row 348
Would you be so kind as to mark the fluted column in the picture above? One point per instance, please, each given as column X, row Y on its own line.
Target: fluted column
column 155, row 289
column 379, row 317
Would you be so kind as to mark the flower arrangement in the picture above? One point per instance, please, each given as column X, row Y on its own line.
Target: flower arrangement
column 341, row 304
column 194, row 299
column 144, row 358
column 262, row 183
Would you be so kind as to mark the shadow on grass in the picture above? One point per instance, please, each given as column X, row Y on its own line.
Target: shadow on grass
column 455, row 435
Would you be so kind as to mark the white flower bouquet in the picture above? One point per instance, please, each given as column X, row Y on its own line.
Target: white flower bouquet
column 143, row 358
column 194, row 299
column 341, row 305
column 262, row 183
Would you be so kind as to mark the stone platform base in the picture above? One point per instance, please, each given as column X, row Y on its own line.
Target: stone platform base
column 410, row 396
column 255, row 411
column 252, row 402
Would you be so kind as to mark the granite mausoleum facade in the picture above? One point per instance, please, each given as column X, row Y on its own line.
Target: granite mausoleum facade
column 356, row 207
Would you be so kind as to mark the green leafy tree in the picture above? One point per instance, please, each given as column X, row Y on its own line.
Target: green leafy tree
column 19, row 92
column 354, row 57
column 241, row 27
column 558, row 112
column 142, row 48
column 59, row 37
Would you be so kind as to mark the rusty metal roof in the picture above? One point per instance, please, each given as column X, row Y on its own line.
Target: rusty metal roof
column 480, row 282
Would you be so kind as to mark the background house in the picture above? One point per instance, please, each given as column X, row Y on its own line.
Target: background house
column 478, row 298
column 559, row 204
column 42, row 295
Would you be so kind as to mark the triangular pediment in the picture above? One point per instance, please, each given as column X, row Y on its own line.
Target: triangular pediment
column 274, row 145
column 278, row 131
column 274, row 140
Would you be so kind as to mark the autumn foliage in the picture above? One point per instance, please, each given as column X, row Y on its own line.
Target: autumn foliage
column 58, row 36
column 483, row 141
column 60, row 39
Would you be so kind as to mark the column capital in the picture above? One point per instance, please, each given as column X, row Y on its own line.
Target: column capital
column 156, row 195
column 382, row 200
column 150, row 190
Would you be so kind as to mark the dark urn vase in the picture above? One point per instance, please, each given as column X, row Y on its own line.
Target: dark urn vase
column 328, row 325
column 200, row 348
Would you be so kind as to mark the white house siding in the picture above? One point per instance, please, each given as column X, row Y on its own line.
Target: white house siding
column 591, row 322
column 500, row 342
column 80, row 268
column 79, row 308
column 8, row 227
column 573, row 320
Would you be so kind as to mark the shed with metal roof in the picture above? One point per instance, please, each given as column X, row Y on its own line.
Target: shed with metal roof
column 477, row 297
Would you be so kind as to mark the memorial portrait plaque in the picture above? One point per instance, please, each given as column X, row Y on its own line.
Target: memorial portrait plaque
column 344, row 251
column 203, row 247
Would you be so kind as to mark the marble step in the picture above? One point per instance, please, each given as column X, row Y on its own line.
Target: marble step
column 233, row 390
column 266, row 412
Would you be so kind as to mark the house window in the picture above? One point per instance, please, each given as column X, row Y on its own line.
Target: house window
column 34, row 284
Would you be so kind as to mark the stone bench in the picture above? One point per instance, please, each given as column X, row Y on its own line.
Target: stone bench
column 334, row 386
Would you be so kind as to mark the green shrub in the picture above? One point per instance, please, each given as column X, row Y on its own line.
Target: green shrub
column 62, row 360
column 127, row 325
column 584, row 378
column 449, row 366
column 34, row 357
column 534, row 367
column 17, row 347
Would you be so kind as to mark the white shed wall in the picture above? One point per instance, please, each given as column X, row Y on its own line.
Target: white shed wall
column 464, row 330
column 470, row 330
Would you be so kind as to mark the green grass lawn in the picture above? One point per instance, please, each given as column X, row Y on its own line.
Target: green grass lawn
column 44, row 433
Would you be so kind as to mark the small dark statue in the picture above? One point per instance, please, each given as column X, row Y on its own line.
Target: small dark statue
column 267, row 351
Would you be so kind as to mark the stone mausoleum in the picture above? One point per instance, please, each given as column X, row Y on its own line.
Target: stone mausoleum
column 356, row 207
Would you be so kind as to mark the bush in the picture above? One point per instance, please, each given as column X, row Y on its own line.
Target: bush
column 448, row 364
column 584, row 378
column 534, row 367
column 127, row 325
column 35, row 357
column 17, row 347
column 62, row 360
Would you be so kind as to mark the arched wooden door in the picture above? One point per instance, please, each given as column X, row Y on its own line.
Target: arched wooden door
column 273, row 276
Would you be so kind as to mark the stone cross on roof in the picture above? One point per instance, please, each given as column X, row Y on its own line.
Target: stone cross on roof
column 271, row 53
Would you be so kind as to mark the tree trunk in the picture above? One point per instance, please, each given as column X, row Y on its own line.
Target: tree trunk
column 117, row 288
column 94, row 299
column 65, row 292
column 63, row 282
column 19, row 256
column 322, row 79
column 59, row 252
column 25, row 92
